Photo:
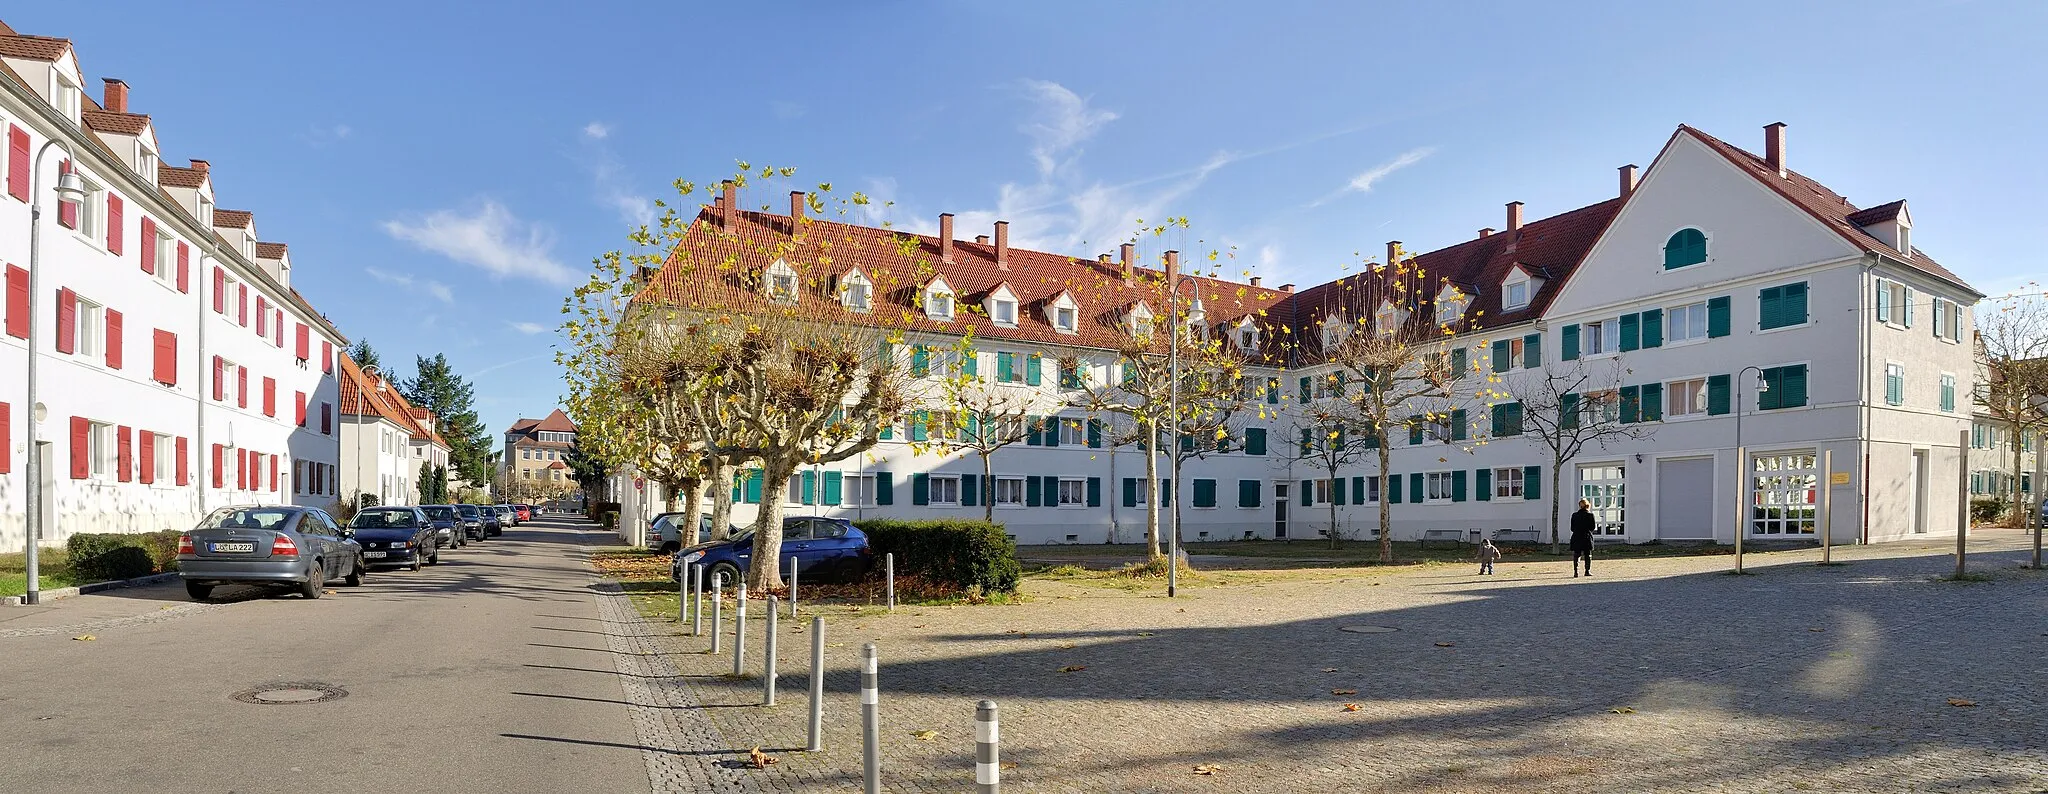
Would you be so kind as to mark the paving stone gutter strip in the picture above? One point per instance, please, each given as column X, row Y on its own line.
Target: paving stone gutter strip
column 685, row 748
column 95, row 587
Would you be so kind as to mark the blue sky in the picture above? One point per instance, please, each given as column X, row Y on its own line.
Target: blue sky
column 443, row 171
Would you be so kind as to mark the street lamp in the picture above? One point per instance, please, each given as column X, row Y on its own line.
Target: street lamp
column 1195, row 314
column 1742, row 458
column 70, row 187
column 372, row 373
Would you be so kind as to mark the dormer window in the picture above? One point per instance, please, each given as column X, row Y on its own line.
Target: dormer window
column 1063, row 318
column 781, row 282
column 1001, row 306
column 1141, row 320
column 1063, row 313
column 1388, row 319
column 1335, row 330
column 1450, row 305
column 1247, row 337
column 146, row 163
column 206, row 212
column 65, row 96
column 938, row 300
column 855, row 293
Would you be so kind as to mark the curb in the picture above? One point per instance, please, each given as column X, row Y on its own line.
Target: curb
column 95, row 587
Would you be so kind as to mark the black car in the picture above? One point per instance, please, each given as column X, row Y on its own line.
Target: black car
column 447, row 525
column 488, row 515
column 399, row 536
column 472, row 521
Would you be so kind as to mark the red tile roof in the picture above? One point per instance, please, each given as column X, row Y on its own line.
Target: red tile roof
column 1877, row 214
column 233, row 219
column 173, row 176
column 34, row 48
column 270, row 250
column 360, row 397
column 1830, row 208
column 116, row 123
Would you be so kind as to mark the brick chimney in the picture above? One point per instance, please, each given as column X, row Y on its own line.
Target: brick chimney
column 1287, row 288
column 1172, row 268
column 796, row 208
column 1393, row 252
column 116, row 100
column 981, row 239
column 1514, row 216
column 1486, row 231
column 201, row 166
column 1130, row 255
column 728, row 206
column 1002, row 245
column 945, row 237
column 1774, row 146
column 1628, row 179
column 1255, row 281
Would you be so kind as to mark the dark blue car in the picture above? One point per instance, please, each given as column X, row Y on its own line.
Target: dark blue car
column 826, row 549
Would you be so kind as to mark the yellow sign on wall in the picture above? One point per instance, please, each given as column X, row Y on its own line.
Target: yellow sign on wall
column 1839, row 478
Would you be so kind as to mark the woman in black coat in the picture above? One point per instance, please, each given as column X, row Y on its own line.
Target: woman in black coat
column 1582, row 537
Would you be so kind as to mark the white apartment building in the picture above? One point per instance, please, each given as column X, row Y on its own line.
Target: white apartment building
column 386, row 442
column 177, row 370
column 1721, row 287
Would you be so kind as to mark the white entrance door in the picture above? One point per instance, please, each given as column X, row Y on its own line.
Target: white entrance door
column 1606, row 486
column 1917, row 490
column 1685, row 499
column 1782, row 490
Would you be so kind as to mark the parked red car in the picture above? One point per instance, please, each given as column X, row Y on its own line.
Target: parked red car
column 525, row 512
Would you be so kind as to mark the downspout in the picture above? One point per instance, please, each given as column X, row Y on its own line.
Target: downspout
column 199, row 380
column 1865, row 317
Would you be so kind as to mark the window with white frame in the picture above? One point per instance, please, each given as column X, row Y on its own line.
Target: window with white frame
column 1895, row 303
column 1894, row 383
column 205, row 212
column 1073, row 493
column 1601, row 406
column 1515, row 347
column 1248, row 338
column 99, row 444
column 945, row 489
column 1603, row 336
column 91, row 212
column 1003, row 312
column 1372, row 491
column 1009, row 491
column 1141, row 321
column 1440, row 427
column 938, row 301
column 794, row 494
column 1782, row 493
column 164, row 251
column 1450, row 305
column 66, row 97
column 1065, row 318
column 1388, row 318
column 781, row 282
column 145, row 163
column 1073, row 432
column 1334, row 331
column 1685, row 398
column 1507, row 483
column 1684, row 323
column 90, row 329
column 164, row 466
column 1319, row 492
column 1514, row 295
column 856, row 293
column 1437, row 486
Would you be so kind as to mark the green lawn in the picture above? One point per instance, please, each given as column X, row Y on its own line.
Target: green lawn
column 1355, row 552
column 54, row 568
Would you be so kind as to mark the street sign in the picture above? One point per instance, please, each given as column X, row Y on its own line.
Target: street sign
column 639, row 483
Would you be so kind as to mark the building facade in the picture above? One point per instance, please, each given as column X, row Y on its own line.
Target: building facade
column 1722, row 292
column 388, row 446
column 177, row 369
column 536, row 456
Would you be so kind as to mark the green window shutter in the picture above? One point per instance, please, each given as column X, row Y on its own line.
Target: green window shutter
column 1792, row 308
column 969, row 489
column 1165, row 491
column 1372, row 438
column 1631, row 332
column 1459, row 425
column 1306, row 393
column 1255, row 441
column 1095, row 433
column 1095, row 492
column 1653, row 328
column 1392, row 488
column 970, row 363
column 1458, row 485
column 1458, row 361
column 1767, row 302
column 1272, row 391
column 834, row 487
column 810, row 495
column 1500, row 355
column 1483, row 485
column 1052, row 491
column 1337, row 382
column 1948, row 394
column 1686, row 247
column 1794, row 386
column 1415, row 488
column 1571, row 342
column 1031, row 491
column 1187, row 444
column 888, row 353
column 973, row 427
column 1130, row 492
column 1033, row 370
column 1532, row 351
column 754, row 478
column 1223, row 442
column 1308, row 442
column 1532, row 482
column 1052, row 430
column 888, row 430
column 885, row 489
column 920, row 361
column 1631, row 404
column 1653, row 402
column 1514, row 419
column 1129, row 369
column 1717, row 394
column 1718, row 322
column 1006, row 367
column 1498, row 416
column 920, row 489
column 1884, row 301
column 1205, row 493
column 1337, row 491
column 1414, row 430
column 1770, row 397
column 1248, row 493
column 1568, row 412
column 1308, row 492
column 920, row 425
column 1034, row 431
column 739, row 493
column 1342, row 441
column 1358, row 494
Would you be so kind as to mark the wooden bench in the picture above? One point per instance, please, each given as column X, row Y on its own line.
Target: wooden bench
column 1455, row 536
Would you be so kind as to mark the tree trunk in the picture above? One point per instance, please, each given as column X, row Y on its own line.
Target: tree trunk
column 765, row 571
column 2017, row 503
column 1556, row 499
column 668, row 496
column 1151, row 495
column 1386, row 514
column 693, row 500
column 721, row 498
column 1336, row 539
column 988, row 489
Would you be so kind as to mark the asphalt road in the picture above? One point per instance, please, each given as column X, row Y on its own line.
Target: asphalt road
column 487, row 673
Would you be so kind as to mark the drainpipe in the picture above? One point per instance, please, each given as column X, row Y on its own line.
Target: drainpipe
column 1863, row 393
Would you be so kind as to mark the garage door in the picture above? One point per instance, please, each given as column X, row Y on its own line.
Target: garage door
column 1685, row 499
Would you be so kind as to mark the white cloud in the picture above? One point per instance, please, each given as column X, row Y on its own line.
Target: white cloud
column 1364, row 182
column 1063, row 121
column 608, row 177
column 318, row 136
column 528, row 328
column 786, row 110
column 597, row 130
column 488, row 238
column 436, row 289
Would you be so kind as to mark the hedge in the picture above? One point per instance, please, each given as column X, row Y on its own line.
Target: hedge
column 106, row 557
column 962, row 553
column 595, row 510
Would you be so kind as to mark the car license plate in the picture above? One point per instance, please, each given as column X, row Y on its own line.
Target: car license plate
column 231, row 548
column 375, row 555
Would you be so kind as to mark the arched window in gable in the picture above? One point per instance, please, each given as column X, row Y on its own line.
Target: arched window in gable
column 1686, row 247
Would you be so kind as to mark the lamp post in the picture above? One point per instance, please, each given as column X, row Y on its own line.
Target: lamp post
column 1741, row 458
column 1195, row 314
column 69, row 186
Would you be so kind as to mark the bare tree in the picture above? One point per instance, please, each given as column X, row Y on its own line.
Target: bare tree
column 977, row 415
column 2014, row 386
column 1564, row 410
column 1326, row 438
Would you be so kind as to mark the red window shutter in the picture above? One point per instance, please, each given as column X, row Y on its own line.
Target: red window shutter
column 301, row 413
column 327, row 357
column 113, row 339
column 277, row 327
column 220, row 290
column 269, row 396
column 184, row 473
column 242, row 304
column 124, row 455
column 17, row 302
column 262, row 316
column 327, row 419
column 164, row 367
column 273, row 474
column 67, row 320
column 67, row 212
column 220, row 379
column 241, row 470
column 219, row 471
column 241, row 387
column 17, row 163
column 114, row 219
column 184, row 268
column 145, row 455
column 6, row 437
column 81, row 448
column 146, row 245
column 305, row 342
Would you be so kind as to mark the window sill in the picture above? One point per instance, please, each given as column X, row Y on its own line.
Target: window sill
column 1793, row 327
column 1683, row 342
column 1663, row 269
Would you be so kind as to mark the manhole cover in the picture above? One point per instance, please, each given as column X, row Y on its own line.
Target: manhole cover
column 291, row 694
column 1368, row 629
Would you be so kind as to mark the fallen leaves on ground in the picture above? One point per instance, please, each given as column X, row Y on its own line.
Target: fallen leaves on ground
column 1144, row 634
column 1621, row 710
column 1073, row 668
column 84, row 638
column 1816, row 631
column 1351, row 707
column 925, row 735
column 1446, row 645
column 1343, row 691
column 1207, row 769
column 1009, row 765
column 1961, row 703
column 758, row 759
column 1066, row 646
column 1329, row 669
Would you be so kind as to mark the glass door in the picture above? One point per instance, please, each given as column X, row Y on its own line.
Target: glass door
column 1606, row 487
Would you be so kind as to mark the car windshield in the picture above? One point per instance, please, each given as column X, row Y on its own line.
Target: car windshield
column 440, row 513
column 383, row 519
column 246, row 518
column 467, row 511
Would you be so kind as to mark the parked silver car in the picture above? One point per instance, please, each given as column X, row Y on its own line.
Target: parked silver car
column 299, row 546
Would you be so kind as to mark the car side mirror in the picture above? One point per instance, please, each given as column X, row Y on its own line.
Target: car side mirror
column 347, row 532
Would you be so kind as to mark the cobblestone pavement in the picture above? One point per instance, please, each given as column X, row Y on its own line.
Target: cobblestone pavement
column 1659, row 675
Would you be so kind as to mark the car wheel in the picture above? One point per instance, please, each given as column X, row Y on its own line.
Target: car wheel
column 355, row 574
column 316, row 581
column 198, row 592
column 435, row 558
column 727, row 574
column 415, row 561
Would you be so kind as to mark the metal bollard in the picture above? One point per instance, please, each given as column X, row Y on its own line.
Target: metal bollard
column 683, row 595
column 768, row 673
column 988, row 773
column 697, row 600
column 739, row 631
column 870, row 722
column 792, row 587
column 889, row 574
column 717, row 607
column 817, row 740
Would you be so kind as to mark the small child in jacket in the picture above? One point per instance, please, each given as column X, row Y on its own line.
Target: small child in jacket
column 1487, row 554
